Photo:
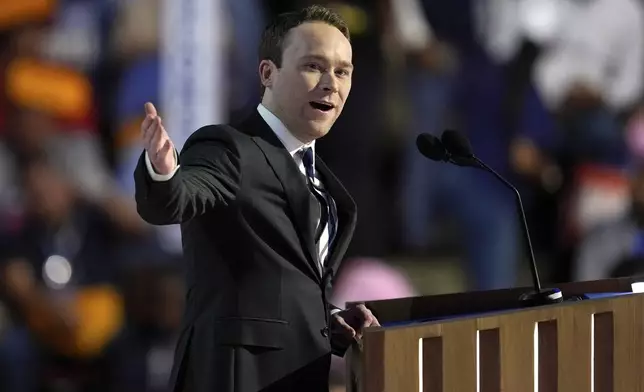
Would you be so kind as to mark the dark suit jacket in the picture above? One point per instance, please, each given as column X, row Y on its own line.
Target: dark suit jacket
column 257, row 310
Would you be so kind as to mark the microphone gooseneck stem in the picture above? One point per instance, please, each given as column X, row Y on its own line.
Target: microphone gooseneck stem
column 524, row 224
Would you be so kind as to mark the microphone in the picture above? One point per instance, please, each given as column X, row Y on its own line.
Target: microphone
column 431, row 147
column 458, row 148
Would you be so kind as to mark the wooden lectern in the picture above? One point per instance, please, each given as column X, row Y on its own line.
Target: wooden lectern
column 485, row 341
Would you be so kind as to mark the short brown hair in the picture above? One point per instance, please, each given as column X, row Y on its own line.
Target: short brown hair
column 272, row 44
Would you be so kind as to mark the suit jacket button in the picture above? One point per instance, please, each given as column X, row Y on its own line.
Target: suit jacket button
column 325, row 331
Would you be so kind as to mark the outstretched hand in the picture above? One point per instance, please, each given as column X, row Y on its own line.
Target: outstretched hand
column 156, row 142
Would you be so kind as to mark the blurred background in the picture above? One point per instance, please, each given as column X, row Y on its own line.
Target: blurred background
column 549, row 92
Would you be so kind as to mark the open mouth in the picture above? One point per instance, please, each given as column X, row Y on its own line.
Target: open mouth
column 323, row 106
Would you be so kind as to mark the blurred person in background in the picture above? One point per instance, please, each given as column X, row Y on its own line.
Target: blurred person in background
column 455, row 78
column 32, row 132
column 140, row 358
column 141, row 45
column 59, row 271
column 590, row 77
column 247, row 19
column 616, row 247
column 50, row 107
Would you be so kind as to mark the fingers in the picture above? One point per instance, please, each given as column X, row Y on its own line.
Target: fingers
column 147, row 126
column 159, row 137
column 147, row 121
column 365, row 315
column 368, row 319
column 166, row 148
column 346, row 326
column 148, row 134
column 150, row 110
column 359, row 318
column 155, row 136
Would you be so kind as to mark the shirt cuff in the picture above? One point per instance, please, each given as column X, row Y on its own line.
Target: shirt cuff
column 334, row 311
column 156, row 176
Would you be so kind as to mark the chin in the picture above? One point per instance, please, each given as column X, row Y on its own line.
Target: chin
column 318, row 132
column 319, row 129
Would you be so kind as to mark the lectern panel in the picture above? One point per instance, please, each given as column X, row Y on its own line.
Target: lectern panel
column 517, row 354
column 460, row 356
column 629, row 345
column 574, row 343
column 593, row 345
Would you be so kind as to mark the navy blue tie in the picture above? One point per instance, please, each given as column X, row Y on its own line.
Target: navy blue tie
column 328, row 209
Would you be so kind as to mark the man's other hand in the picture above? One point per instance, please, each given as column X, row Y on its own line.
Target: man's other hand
column 354, row 320
column 157, row 143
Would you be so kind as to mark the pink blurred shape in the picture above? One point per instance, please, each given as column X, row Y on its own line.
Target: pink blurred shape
column 369, row 279
column 635, row 135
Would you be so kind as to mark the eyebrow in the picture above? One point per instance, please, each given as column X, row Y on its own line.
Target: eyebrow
column 343, row 64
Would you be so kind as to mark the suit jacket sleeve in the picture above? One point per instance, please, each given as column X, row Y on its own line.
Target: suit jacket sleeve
column 208, row 176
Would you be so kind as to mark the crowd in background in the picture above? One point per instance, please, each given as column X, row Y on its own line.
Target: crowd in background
column 549, row 92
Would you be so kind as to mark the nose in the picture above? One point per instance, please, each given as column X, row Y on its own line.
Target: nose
column 329, row 83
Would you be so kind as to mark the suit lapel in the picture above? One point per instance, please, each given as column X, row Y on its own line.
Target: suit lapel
column 347, row 213
column 292, row 181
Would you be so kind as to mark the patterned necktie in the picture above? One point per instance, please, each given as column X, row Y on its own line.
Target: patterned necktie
column 329, row 212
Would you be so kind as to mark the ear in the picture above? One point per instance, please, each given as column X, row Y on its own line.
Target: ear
column 267, row 70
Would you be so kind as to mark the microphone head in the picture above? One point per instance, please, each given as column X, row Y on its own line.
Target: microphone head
column 457, row 144
column 431, row 147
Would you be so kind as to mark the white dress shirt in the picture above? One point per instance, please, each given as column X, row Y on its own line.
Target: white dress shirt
column 293, row 145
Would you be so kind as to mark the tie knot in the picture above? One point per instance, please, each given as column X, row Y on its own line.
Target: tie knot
column 307, row 160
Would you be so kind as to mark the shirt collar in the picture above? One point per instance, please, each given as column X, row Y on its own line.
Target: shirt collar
column 290, row 142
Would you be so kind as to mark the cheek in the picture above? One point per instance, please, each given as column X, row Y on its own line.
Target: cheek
column 344, row 95
column 308, row 81
column 296, row 89
column 345, row 90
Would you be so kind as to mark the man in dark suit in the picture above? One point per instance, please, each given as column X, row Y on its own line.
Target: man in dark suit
column 265, row 223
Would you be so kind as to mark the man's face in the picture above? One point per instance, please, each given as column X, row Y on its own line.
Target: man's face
column 308, row 92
